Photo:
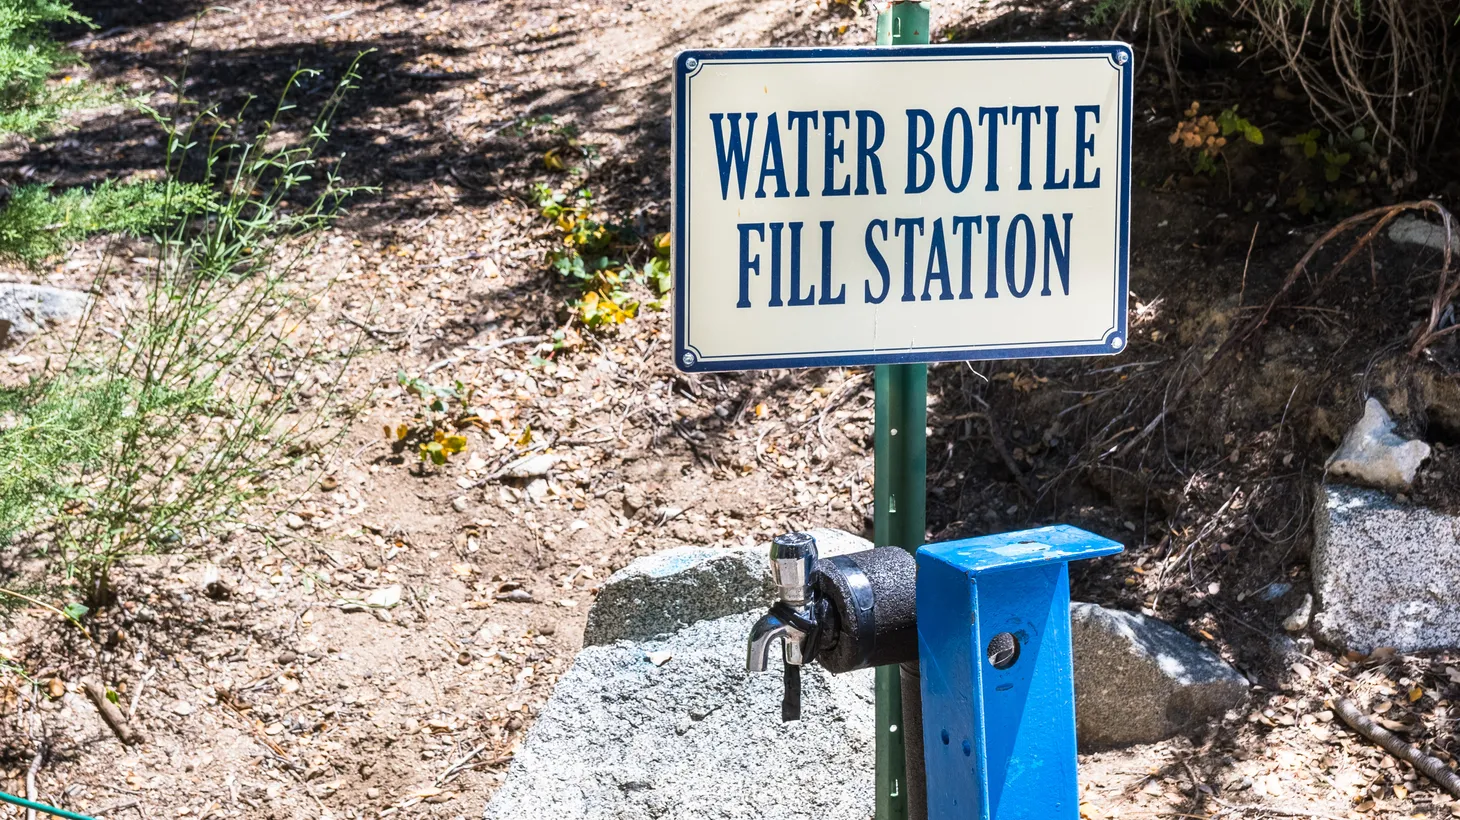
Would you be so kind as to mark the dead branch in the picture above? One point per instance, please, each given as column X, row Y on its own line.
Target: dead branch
column 1431, row 767
column 112, row 715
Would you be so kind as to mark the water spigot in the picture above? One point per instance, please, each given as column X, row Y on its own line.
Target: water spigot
column 792, row 618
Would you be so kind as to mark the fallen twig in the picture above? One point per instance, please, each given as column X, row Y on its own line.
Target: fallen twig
column 1431, row 767
column 112, row 715
column 30, row 773
column 377, row 332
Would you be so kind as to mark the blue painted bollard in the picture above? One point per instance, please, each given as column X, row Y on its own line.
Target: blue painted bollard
column 993, row 623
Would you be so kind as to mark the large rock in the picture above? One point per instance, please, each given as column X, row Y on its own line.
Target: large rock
column 1385, row 572
column 1372, row 454
column 1138, row 680
column 27, row 309
column 694, row 739
column 657, row 718
column 666, row 591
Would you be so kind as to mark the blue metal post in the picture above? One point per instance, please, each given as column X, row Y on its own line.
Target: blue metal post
column 997, row 683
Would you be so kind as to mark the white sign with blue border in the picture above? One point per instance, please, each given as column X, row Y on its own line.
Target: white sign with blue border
column 854, row 206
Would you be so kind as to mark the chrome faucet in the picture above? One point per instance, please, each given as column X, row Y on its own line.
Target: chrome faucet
column 792, row 618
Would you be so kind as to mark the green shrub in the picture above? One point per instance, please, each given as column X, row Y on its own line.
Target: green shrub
column 29, row 58
column 37, row 223
column 145, row 442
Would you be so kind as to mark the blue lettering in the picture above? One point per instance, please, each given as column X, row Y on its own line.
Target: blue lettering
column 994, row 114
column 1060, row 249
column 735, row 155
column 1085, row 145
column 748, row 264
column 1050, row 112
column 836, row 151
column 776, row 228
column 879, row 262
column 802, row 122
column 968, row 223
column 1030, row 113
column 772, row 164
column 867, row 151
column 908, row 293
column 937, row 258
column 1011, row 248
column 917, row 150
column 796, row 298
column 957, row 115
column 826, row 298
column 993, row 234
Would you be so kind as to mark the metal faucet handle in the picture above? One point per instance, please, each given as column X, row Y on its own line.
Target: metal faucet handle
column 793, row 559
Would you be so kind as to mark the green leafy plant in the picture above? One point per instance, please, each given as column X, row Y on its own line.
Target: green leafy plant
column 1208, row 136
column 593, row 257
column 1330, row 169
column 435, row 425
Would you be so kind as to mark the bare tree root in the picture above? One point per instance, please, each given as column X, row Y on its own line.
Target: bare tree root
column 1446, row 292
column 1431, row 767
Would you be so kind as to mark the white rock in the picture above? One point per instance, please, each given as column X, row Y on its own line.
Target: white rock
column 460, row 503
column 1300, row 617
column 1373, row 455
column 384, row 597
column 1412, row 230
column 537, row 489
column 531, row 466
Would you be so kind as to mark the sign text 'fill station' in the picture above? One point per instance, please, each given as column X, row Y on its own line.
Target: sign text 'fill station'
column 862, row 206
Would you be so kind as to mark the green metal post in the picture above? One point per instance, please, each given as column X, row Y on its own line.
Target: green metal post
column 900, row 515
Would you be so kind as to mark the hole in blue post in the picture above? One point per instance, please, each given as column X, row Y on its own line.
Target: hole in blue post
column 1003, row 650
column 945, row 737
column 967, row 749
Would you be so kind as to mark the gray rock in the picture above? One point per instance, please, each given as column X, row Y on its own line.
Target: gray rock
column 1384, row 572
column 1412, row 230
column 1138, row 680
column 29, row 308
column 1373, row 455
column 666, row 591
column 695, row 739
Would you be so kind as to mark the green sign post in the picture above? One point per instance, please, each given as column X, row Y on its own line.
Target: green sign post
column 900, row 441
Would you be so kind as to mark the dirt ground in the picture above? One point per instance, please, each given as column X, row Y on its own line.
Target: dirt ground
column 377, row 644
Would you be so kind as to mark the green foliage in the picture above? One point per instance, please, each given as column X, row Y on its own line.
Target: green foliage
column 29, row 58
column 1209, row 136
column 1330, row 169
column 441, row 412
column 142, row 445
column 37, row 223
column 592, row 258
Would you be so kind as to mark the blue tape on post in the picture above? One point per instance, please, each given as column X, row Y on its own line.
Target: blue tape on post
column 997, row 682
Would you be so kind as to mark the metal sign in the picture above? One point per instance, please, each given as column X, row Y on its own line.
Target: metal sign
column 853, row 206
